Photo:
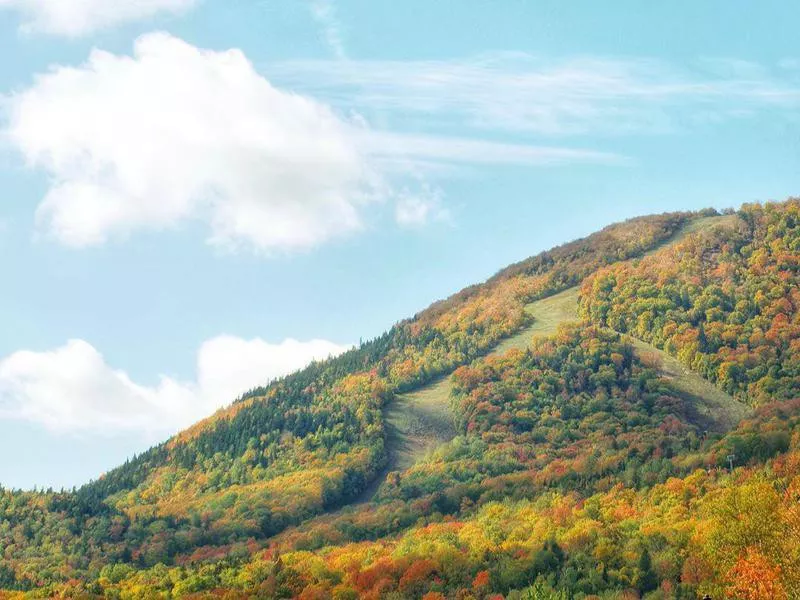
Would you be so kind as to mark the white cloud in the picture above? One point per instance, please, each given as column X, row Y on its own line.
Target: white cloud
column 411, row 150
column 521, row 93
column 79, row 17
column 324, row 13
column 419, row 209
column 228, row 366
column 73, row 389
column 177, row 133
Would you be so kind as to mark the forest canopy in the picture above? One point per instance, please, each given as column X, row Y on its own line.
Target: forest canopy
column 583, row 466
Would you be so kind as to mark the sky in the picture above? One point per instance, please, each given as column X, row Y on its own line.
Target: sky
column 197, row 196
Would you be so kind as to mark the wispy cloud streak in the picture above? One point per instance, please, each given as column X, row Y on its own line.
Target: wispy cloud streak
column 324, row 14
column 521, row 93
column 419, row 150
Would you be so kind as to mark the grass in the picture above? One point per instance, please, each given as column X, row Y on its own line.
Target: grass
column 416, row 422
column 693, row 226
column 715, row 410
column 548, row 314
column 419, row 421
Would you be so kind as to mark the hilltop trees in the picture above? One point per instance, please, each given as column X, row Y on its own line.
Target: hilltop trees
column 579, row 471
column 725, row 301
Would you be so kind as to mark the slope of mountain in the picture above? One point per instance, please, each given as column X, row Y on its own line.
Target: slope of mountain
column 565, row 429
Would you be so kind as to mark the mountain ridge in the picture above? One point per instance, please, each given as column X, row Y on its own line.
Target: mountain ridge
column 607, row 366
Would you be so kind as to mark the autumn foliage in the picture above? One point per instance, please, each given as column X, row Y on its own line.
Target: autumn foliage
column 580, row 470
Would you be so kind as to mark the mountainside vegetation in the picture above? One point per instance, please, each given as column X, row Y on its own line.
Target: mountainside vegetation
column 618, row 417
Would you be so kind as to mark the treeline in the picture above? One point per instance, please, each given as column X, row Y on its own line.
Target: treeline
column 701, row 529
column 726, row 302
column 575, row 415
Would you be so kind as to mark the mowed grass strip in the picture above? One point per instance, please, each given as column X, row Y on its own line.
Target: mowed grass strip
column 548, row 313
column 419, row 421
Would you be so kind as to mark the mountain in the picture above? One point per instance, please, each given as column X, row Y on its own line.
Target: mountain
column 618, row 417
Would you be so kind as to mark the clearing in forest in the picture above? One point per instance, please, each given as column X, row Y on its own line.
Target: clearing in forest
column 715, row 410
column 694, row 226
column 547, row 314
column 420, row 420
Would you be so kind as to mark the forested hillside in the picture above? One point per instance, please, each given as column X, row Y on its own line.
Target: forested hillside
column 581, row 466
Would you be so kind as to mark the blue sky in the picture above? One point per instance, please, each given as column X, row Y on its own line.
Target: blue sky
column 198, row 195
